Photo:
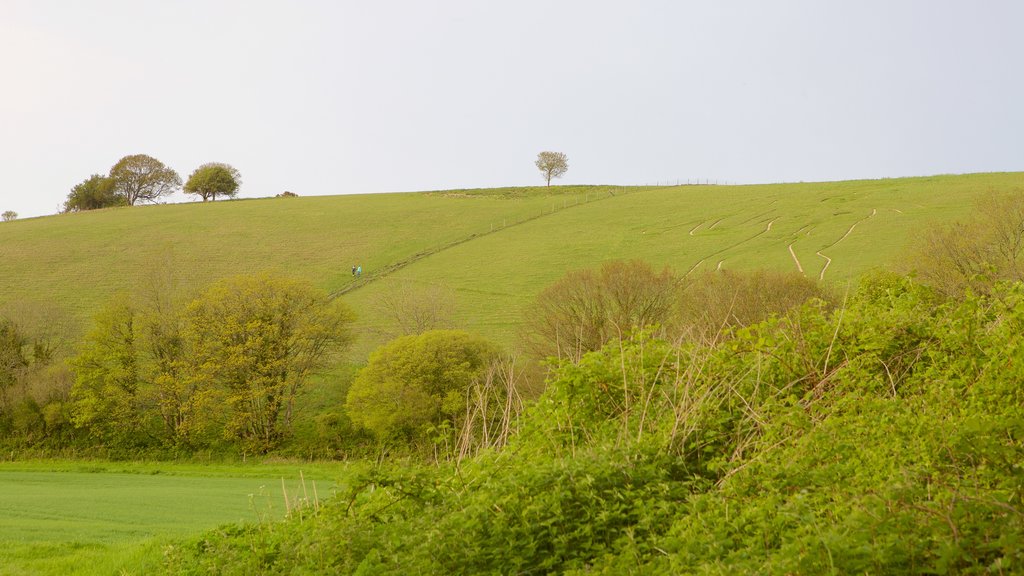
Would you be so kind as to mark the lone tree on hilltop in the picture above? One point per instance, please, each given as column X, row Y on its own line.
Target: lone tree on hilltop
column 93, row 193
column 552, row 165
column 141, row 177
column 213, row 179
column 9, row 215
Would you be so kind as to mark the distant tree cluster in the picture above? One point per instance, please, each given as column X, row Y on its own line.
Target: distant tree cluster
column 9, row 215
column 140, row 178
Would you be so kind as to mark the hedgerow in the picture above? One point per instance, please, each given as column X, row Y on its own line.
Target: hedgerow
column 884, row 436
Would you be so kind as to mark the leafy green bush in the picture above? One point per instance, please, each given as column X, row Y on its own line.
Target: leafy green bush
column 416, row 382
column 885, row 437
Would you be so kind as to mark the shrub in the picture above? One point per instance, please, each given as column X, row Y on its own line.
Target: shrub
column 415, row 382
column 586, row 309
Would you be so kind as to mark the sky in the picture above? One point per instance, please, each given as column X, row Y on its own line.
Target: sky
column 342, row 97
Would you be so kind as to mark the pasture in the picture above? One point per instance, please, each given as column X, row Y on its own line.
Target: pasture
column 67, row 517
column 494, row 249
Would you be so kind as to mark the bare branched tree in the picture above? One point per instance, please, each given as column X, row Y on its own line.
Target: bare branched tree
column 972, row 255
column 552, row 165
column 408, row 308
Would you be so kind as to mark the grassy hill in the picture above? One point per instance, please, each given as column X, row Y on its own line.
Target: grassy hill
column 494, row 248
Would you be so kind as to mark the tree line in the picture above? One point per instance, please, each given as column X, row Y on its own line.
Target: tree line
column 141, row 178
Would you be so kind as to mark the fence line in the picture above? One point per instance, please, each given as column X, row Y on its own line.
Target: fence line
column 395, row 266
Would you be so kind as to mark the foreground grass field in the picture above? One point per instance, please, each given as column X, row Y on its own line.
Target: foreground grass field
column 64, row 517
column 494, row 248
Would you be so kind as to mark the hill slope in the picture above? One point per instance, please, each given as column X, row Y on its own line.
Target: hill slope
column 494, row 248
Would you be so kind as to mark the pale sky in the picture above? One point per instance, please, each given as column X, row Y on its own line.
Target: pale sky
column 340, row 97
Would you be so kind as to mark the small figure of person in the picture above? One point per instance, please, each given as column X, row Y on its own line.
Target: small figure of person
column 359, row 271
column 353, row 270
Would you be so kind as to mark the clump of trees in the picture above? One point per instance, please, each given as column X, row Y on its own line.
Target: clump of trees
column 141, row 178
column 552, row 165
column 93, row 193
column 226, row 367
column 9, row 215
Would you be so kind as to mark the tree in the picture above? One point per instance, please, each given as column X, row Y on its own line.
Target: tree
column 586, row 308
column 9, row 215
column 974, row 255
column 143, row 178
column 720, row 299
column 417, row 381
column 93, row 193
column 258, row 339
column 106, row 396
column 408, row 308
column 212, row 180
column 552, row 165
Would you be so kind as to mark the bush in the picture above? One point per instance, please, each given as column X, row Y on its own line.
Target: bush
column 586, row 309
column 723, row 299
column 972, row 256
column 417, row 382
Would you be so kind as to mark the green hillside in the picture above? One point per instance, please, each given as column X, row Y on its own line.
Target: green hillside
column 494, row 248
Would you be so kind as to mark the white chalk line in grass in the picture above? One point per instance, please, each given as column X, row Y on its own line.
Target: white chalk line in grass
column 795, row 259
column 848, row 232
column 694, row 267
column 727, row 248
column 719, row 267
column 699, row 224
column 715, row 224
column 825, row 267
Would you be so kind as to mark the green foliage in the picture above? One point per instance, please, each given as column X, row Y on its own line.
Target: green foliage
column 212, row 180
column 94, row 193
column 884, row 437
column 34, row 383
column 415, row 382
column 258, row 339
column 8, row 216
column 229, row 365
column 106, row 395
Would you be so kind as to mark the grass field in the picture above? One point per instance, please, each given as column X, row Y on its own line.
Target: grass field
column 61, row 517
column 494, row 248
